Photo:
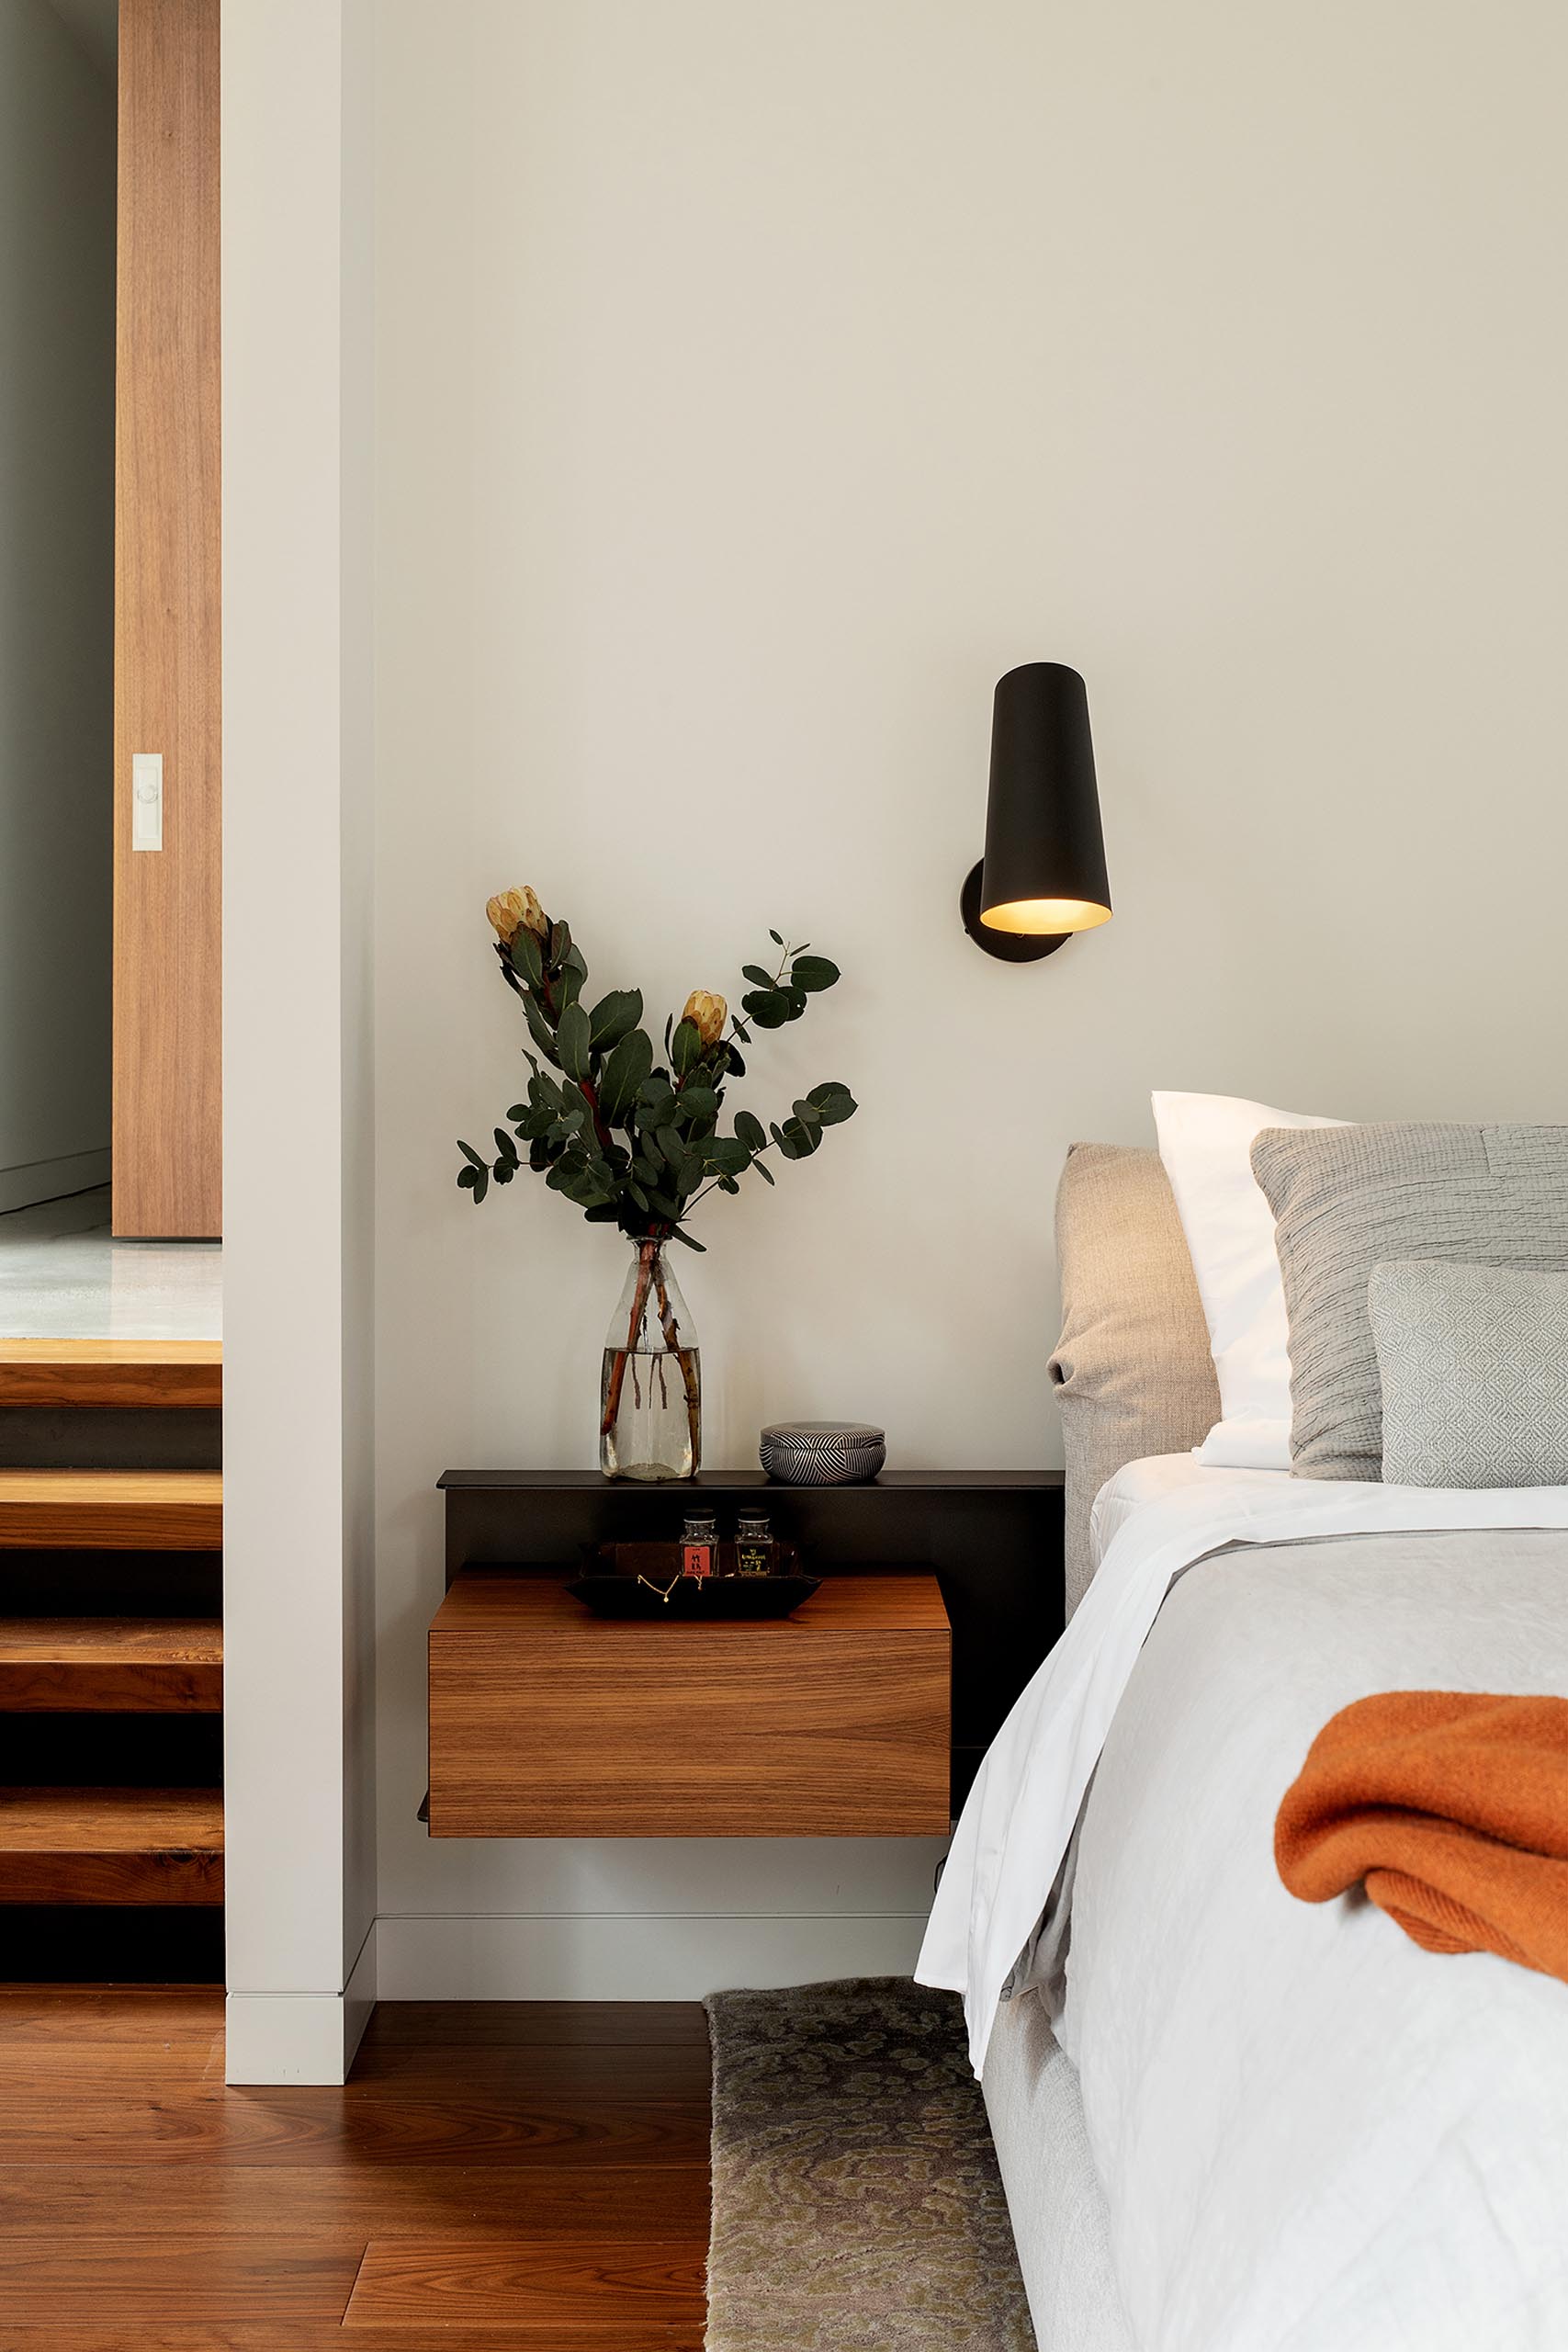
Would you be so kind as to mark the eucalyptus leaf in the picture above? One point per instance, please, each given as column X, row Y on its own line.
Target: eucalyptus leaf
column 764, row 1171
column 806, row 1113
column 755, row 974
column 769, row 1008
column 698, row 1102
column 540, row 1031
column 750, row 1131
column 573, row 1041
column 679, row 1233
column 613, row 1016
column 834, row 1102
column 813, row 973
column 628, row 1065
column 470, row 1155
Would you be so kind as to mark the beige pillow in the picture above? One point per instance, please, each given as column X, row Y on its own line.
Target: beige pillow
column 1133, row 1368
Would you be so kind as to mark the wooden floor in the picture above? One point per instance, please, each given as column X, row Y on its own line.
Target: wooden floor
column 495, row 2174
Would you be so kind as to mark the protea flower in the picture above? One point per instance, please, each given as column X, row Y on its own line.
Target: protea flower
column 707, row 1015
column 514, row 910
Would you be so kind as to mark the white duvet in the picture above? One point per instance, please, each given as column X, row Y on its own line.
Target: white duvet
column 1311, row 2135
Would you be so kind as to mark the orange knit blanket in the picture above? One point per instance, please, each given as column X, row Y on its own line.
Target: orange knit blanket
column 1453, row 1807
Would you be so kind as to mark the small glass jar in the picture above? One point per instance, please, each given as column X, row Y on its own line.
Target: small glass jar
column 753, row 1545
column 699, row 1544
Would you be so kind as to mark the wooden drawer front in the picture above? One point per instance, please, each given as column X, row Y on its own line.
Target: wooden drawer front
column 595, row 1730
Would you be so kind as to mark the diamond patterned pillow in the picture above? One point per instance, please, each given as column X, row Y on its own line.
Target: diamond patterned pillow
column 1473, row 1361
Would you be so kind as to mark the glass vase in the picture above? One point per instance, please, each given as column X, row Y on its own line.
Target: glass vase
column 651, row 1389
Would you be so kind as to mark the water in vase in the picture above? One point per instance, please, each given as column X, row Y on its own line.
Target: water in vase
column 650, row 1422
column 650, row 1434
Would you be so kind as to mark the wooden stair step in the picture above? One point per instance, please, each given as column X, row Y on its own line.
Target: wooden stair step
column 111, row 1665
column 131, row 1373
column 103, row 1846
column 111, row 1510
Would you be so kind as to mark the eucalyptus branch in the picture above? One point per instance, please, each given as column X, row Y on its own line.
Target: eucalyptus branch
column 712, row 1185
column 667, row 1117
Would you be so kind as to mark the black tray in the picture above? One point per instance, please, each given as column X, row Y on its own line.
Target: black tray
column 717, row 1599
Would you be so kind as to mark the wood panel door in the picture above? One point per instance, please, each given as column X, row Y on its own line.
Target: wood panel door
column 167, row 1134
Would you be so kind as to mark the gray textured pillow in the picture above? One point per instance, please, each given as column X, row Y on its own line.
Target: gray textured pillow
column 1473, row 1361
column 1346, row 1199
column 1133, row 1367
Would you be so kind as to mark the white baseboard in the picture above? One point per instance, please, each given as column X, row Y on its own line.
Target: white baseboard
column 299, row 2037
column 312, row 2037
column 631, row 1957
column 52, row 1180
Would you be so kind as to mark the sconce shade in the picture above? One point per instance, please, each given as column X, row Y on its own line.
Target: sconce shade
column 1044, row 871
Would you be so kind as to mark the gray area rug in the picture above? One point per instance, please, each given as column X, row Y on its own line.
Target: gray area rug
column 856, row 2201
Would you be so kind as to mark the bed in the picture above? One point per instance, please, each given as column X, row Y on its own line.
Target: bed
column 1229, row 2121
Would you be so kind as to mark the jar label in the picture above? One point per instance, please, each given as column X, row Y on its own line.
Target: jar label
column 697, row 1560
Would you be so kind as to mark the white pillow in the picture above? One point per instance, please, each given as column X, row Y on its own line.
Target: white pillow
column 1205, row 1141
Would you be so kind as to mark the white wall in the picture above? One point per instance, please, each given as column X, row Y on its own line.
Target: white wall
column 57, row 233
column 298, row 1147
column 755, row 384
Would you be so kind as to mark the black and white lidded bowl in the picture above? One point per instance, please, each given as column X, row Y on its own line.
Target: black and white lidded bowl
column 822, row 1453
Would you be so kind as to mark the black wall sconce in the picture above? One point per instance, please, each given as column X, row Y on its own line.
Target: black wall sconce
column 1042, row 876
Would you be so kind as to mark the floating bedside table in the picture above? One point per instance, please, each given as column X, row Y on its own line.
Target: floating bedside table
column 862, row 1716
column 545, row 1721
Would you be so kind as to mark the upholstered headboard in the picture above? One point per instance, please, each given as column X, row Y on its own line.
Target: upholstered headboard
column 1133, row 1370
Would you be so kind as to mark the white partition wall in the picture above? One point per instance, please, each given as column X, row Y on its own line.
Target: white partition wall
column 298, row 1311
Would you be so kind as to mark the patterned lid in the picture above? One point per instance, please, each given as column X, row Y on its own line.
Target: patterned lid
column 813, row 1433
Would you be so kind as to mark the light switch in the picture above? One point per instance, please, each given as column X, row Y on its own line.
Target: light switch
column 147, row 800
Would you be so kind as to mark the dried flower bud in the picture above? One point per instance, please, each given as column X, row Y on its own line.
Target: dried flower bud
column 707, row 1014
column 514, row 910
column 534, row 918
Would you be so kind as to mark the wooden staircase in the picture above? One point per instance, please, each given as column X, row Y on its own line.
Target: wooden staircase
column 111, row 1659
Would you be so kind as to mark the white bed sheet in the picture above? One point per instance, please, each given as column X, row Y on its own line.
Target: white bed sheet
column 1156, row 1519
column 1309, row 2135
